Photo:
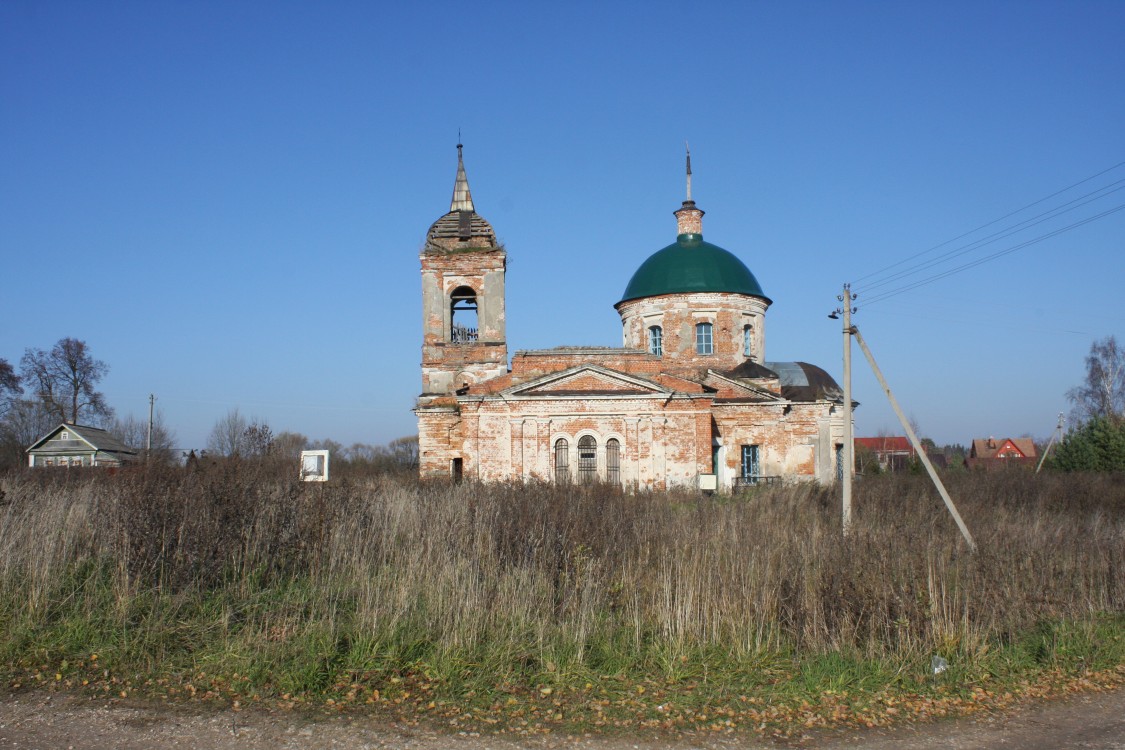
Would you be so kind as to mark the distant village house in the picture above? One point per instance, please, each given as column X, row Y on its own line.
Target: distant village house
column 994, row 453
column 75, row 445
column 890, row 453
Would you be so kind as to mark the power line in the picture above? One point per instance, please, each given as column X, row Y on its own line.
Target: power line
column 1003, row 233
column 994, row 221
column 993, row 256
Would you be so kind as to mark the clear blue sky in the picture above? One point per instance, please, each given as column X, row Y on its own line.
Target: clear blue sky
column 226, row 200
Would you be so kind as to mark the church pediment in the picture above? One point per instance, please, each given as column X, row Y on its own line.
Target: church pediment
column 586, row 381
column 739, row 388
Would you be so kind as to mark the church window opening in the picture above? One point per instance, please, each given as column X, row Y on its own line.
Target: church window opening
column 613, row 461
column 747, row 340
column 750, row 469
column 457, row 469
column 463, row 315
column 587, row 459
column 656, row 340
column 703, row 340
column 562, row 460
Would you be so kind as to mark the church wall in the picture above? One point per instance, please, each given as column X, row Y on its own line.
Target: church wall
column 796, row 440
column 531, row 364
column 439, row 438
column 678, row 314
column 663, row 442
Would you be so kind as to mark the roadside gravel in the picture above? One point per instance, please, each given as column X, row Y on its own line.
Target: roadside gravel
column 62, row 721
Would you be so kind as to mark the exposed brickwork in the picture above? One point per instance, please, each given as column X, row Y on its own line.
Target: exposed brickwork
column 689, row 219
column 678, row 315
column 667, row 412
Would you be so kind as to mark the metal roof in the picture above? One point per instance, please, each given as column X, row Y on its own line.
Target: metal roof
column 99, row 439
column 801, row 381
column 692, row 265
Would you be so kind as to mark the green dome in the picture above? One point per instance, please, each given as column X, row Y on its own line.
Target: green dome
column 692, row 265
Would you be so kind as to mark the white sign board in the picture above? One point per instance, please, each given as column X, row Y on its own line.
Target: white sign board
column 314, row 466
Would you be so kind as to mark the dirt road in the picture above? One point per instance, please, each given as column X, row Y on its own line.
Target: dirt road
column 46, row 721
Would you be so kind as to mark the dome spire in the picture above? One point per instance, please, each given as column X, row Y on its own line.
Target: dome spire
column 689, row 219
column 688, row 149
column 462, row 198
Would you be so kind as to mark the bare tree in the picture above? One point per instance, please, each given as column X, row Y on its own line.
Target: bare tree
column 1102, row 393
column 26, row 421
column 226, row 436
column 65, row 378
column 257, row 439
column 326, row 445
column 404, row 451
column 289, row 444
column 363, row 453
column 9, row 386
column 134, row 433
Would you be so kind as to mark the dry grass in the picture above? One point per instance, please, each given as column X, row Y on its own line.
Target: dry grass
column 236, row 568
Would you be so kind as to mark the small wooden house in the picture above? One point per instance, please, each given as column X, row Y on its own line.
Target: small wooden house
column 78, row 445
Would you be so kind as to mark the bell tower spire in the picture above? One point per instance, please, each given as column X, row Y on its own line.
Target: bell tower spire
column 462, row 198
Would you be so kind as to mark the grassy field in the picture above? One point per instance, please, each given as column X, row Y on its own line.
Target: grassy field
column 538, row 608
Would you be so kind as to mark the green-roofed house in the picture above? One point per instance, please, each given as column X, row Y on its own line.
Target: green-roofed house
column 688, row 400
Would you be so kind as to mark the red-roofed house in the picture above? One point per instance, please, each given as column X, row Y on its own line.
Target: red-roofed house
column 894, row 453
column 993, row 453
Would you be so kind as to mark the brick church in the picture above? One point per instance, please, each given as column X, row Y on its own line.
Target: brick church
column 689, row 400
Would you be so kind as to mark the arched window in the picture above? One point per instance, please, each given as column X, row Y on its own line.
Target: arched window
column 613, row 461
column 703, row 341
column 463, row 315
column 587, row 459
column 562, row 460
column 656, row 340
column 747, row 340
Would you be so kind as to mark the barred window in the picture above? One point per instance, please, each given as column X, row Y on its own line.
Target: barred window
column 703, row 341
column 562, row 460
column 750, row 468
column 613, row 461
column 587, row 459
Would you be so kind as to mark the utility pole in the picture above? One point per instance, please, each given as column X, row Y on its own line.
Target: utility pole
column 848, row 459
column 1056, row 434
column 916, row 443
column 148, row 442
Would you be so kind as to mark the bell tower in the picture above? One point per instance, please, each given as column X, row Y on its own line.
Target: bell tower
column 463, row 336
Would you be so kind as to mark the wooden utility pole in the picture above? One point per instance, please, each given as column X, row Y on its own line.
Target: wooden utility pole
column 915, row 442
column 148, row 441
column 1056, row 434
column 848, row 468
